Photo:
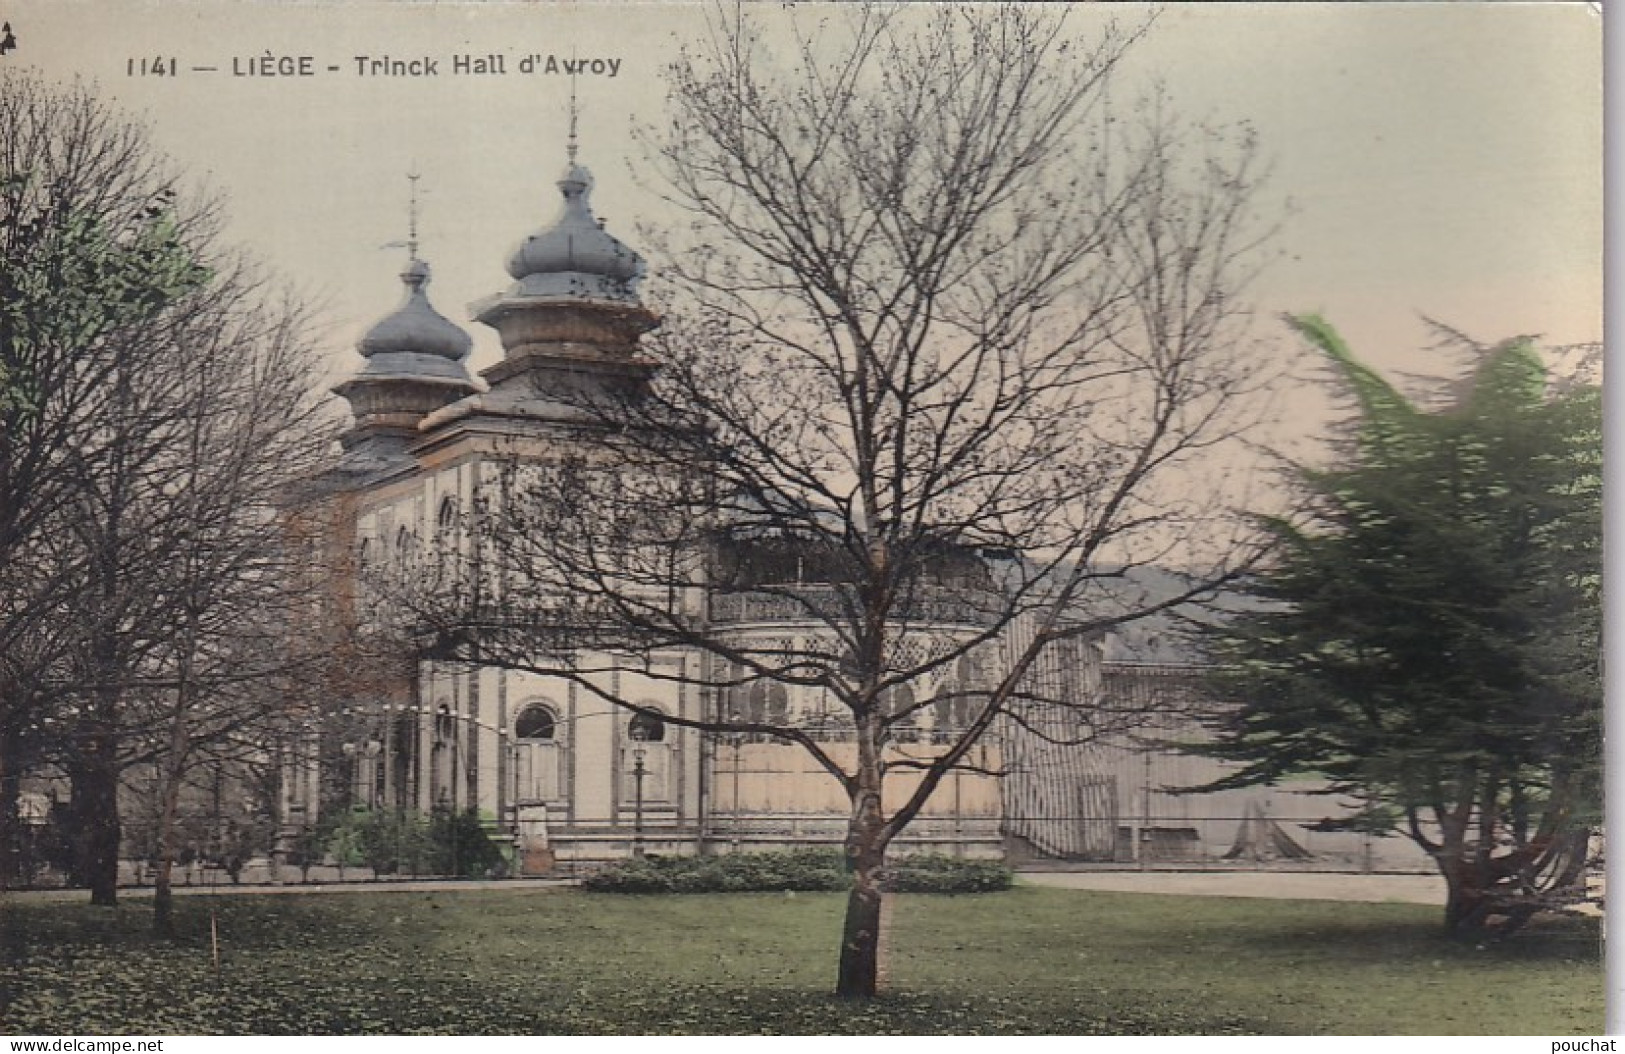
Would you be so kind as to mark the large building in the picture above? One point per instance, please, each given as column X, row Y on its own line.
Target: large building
column 554, row 768
column 562, row 772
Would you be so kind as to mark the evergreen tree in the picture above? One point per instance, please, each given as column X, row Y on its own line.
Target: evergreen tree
column 1428, row 639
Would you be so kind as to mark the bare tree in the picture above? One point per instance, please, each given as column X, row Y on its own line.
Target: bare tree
column 954, row 344
column 149, row 402
column 228, row 587
column 94, row 249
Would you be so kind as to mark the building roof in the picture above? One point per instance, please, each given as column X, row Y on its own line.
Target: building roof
column 415, row 341
column 575, row 257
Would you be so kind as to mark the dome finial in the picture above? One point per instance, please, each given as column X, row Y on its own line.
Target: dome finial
column 416, row 274
column 412, row 215
column 415, row 327
column 570, row 147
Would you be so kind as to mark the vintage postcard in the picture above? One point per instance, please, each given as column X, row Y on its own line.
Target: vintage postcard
column 652, row 518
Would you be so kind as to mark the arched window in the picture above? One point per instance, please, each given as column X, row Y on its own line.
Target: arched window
column 952, row 711
column 538, row 754
column 970, row 672
column 646, row 728
column 363, row 555
column 445, row 536
column 445, row 724
column 536, row 722
column 767, row 703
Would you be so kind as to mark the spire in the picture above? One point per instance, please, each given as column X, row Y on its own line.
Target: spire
column 415, row 328
column 570, row 147
column 412, row 216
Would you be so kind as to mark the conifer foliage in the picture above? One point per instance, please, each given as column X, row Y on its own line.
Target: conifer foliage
column 1428, row 637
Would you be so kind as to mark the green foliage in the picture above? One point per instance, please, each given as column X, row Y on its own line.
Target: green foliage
column 68, row 281
column 1428, row 638
column 401, row 841
column 796, row 869
column 925, row 873
column 343, row 843
column 392, row 841
column 557, row 962
column 460, row 846
column 801, row 870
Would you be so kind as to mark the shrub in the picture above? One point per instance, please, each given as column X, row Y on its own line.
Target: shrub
column 803, row 870
column 396, row 841
column 926, row 873
column 459, row 845
column 796, row 869
column 393, row 841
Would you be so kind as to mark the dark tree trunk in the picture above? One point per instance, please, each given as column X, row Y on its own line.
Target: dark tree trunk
column 860, row 936
column 1464, row 908
column 11, row 876
column 859, row 976
column 96, row 816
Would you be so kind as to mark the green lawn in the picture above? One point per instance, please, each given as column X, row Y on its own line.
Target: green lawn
column 563, row 961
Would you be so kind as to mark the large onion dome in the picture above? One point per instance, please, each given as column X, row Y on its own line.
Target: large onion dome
column 576, row 257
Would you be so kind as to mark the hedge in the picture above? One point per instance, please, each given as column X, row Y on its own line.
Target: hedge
column 810, row 870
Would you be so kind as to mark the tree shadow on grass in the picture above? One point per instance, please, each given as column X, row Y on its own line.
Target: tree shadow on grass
column 1554, row 939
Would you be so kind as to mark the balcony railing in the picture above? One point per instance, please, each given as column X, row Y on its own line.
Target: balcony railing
column 822, row 603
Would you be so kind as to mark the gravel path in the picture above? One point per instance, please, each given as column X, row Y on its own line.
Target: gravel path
column 1280, row 885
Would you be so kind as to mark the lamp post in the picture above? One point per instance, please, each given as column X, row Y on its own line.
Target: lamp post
column 736, row 740
column 638, row 773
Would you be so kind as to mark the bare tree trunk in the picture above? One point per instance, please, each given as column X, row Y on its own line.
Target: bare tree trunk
column 10, row 795
column 163, row 896
column 171, row 769
column 94, row 776
column 859, row 976
column 860, row 937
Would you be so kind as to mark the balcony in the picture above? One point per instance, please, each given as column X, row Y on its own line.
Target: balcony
column 823, row 603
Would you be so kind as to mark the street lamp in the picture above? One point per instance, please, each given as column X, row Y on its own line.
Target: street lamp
column 638, row 773
column 735, row 740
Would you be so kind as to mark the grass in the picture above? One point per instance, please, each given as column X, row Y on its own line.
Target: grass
column 564, row 961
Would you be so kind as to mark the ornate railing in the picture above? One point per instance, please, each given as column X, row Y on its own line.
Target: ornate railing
column 822, row 603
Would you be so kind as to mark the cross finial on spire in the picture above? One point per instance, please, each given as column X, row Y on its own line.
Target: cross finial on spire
column 412, row 216
column 570, row 148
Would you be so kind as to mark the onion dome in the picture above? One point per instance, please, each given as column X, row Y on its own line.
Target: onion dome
column 576, row 257
column 415, row 341
column 414, row 367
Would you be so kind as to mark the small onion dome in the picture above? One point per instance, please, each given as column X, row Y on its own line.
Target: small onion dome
column 576, row 257
column 415, row 334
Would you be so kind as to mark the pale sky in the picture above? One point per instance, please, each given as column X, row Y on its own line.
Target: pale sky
column 1440, row 159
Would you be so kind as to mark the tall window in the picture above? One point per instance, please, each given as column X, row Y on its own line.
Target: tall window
column 403, row 549
column 899, row 700
column 767, row 703
column 538, row 761
column 951, row 713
